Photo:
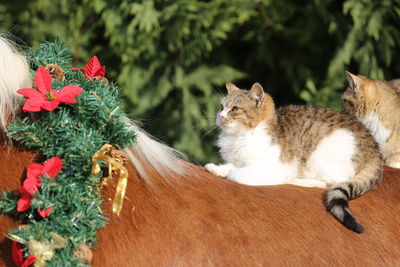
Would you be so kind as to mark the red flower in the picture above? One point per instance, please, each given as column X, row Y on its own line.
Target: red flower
column 93, row 68
column 32, row 183
column 16, row 253
column 52, row 166
column 29, row 261
column 44, row 212
column 47, row 98
column 24, row 202
column 18, row 257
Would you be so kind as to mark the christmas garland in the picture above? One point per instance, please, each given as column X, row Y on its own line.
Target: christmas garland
column 76, row 112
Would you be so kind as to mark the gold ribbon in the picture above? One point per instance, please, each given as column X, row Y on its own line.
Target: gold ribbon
column 43, row 250
column 114, row 159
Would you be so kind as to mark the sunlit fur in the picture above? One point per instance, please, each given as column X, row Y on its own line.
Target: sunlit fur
column 301, row 145
column 14, row 75
column 149, row 153
column 376, row 103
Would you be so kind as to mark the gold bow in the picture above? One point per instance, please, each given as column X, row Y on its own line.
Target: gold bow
column 115, row 160
column 43, row 250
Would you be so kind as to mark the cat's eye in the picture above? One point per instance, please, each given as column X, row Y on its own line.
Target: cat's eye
column 222, row 107
column 348, row 103
column 235, row 108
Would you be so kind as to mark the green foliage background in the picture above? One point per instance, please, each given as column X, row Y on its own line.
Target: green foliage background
column 173, row 57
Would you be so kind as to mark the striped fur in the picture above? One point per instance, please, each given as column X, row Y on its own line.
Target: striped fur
column 337, row 198
column 300, row 145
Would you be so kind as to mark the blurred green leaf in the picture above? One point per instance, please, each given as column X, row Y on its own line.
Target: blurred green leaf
column 173, row 57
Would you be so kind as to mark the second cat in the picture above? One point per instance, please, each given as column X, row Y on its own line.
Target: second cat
column 376, row 103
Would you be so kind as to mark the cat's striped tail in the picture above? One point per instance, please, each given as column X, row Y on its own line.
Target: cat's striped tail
column 337, row 198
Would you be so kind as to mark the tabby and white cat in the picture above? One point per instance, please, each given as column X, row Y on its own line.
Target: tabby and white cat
column 376, row 103
column 306, row 146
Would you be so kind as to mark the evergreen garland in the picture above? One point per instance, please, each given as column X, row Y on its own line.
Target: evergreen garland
column 73, row 132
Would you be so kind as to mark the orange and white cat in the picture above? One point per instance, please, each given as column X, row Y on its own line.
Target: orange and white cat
column 376, row 103
column 306, row 146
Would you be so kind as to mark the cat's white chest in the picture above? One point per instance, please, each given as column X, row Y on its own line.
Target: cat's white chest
column 380, row 133
column 248, row 147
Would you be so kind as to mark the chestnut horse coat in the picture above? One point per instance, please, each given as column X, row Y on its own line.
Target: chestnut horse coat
column 202, row 220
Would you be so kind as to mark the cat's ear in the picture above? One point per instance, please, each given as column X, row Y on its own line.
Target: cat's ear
column 355, row 82
column 257, row 92
column 231, row 87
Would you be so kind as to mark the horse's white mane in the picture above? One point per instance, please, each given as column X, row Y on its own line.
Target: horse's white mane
column 14, row 75
column 147, row 155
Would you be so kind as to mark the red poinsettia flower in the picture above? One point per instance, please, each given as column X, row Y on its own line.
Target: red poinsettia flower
column 18, row 257
column 32, row 183
column 47, row 98
column 29, row 261
column 24, row 202
column 44, row 212
column 93, row 68
column 16, row 253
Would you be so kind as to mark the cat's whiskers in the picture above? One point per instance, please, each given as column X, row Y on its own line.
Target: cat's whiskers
column 207, row 124
column 211, row 129
column 220, row 93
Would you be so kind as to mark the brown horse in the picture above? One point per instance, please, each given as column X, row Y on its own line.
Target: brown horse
column 178, row 214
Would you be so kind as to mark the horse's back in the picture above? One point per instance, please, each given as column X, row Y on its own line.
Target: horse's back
column 201, row 219
column 205, row 220
column 13, row 163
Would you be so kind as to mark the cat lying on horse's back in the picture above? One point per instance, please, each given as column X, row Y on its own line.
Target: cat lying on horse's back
column 306, row 146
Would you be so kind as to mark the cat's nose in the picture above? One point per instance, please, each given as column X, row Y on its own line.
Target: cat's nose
column 222, row 115
column 220, row 118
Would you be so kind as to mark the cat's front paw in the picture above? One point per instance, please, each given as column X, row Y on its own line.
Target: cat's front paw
column 393, row 161
column 219, row 170
column 393, row 164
